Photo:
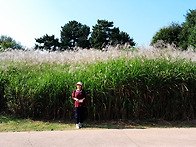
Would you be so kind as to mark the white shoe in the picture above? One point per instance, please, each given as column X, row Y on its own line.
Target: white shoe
column 77, row 126
column 80, row 125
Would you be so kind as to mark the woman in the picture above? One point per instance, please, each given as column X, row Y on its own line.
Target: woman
column 79, row 96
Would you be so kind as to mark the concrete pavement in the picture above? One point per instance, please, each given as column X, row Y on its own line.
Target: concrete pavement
column 178, row 137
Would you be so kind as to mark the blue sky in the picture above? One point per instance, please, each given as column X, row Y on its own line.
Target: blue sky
column 25, row 20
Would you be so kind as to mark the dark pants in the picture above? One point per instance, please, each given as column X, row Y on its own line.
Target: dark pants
column 79, row 114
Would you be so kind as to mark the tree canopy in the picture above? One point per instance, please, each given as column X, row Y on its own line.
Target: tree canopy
column 169, row 34
column 8, row 42
column 101, row 34
column 74, row 34
column 104, row 33
column 182, row 35
column 47, row 42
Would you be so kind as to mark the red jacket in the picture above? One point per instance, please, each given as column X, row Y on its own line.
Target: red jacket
column 79, row 95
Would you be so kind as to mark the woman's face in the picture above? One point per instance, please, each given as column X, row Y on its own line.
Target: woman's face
column 79, row 87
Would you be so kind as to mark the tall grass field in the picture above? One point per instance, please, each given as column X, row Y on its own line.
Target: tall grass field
column 144, row 83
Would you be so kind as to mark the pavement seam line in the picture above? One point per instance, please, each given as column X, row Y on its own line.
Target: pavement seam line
column 130, row 138
column 29, row 139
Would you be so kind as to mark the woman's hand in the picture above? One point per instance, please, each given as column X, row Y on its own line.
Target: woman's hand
column 80, row 101
column 76, row 99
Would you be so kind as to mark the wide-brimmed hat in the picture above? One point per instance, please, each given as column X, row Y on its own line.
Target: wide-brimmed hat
column 79, row 83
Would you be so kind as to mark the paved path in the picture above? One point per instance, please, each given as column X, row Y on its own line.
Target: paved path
column 103, row 137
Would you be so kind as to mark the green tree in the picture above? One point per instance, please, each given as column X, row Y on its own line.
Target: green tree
column 191, row 27
column 47, row 42
column 125, row 38
column 192, row 38
column 187, row 35
column 115, row 36
column 191, row 18
column 182, row 35
column 8, row 42
column 168, row 34
column 104, row 33
column 100, row 36
column 74, row 34
column 83, row 40
column 120, row 37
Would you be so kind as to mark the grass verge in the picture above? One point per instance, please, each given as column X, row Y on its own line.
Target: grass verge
column 13, row 124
